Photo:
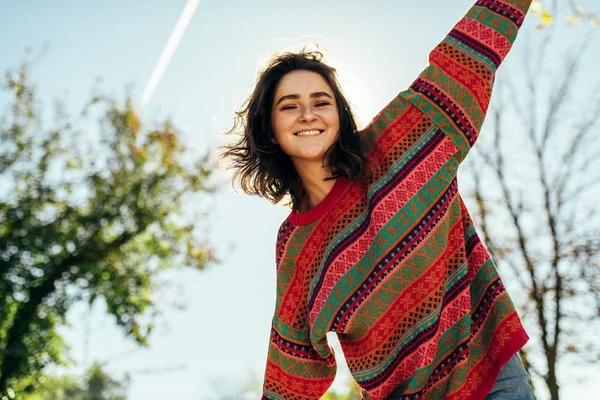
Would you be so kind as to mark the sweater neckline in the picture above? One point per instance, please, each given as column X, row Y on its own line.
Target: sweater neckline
column 310, row 216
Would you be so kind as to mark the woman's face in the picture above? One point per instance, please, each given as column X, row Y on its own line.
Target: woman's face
column 304, row 116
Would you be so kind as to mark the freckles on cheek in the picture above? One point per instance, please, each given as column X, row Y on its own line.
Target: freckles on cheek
column 278, row 123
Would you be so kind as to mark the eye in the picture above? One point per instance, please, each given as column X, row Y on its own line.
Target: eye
column 288, row 107
column 322, row 104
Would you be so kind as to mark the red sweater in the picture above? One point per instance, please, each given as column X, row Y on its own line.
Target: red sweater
column 395, row 267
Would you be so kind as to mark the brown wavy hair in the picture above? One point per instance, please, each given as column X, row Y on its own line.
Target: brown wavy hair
column 260, row 165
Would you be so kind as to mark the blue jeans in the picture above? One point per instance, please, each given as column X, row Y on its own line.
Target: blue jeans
column 512, row 383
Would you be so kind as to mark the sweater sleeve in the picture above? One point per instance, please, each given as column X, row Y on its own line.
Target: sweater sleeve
column 454, row 90
column 294, row 368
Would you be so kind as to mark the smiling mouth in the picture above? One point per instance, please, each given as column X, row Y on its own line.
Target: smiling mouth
column 313, row 132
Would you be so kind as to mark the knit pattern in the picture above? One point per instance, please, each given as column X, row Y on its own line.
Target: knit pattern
column 394, row 266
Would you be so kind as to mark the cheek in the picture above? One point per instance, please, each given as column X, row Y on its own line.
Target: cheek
column 334, row 119
column 282, row 123
column 276, row 124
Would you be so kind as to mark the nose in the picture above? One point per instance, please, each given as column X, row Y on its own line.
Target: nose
column 307, row 115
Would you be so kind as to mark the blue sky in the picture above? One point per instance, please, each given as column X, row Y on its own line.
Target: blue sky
column 378, row 48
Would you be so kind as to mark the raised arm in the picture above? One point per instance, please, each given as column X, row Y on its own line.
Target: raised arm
column 454, row 90
column 294, row 368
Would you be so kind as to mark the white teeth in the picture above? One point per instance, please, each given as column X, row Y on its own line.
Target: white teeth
column 308, row 133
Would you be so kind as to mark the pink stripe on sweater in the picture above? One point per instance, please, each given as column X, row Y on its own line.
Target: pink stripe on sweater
column 405, row 302
column 425, row 353
column 391, row 204
column 484, row 35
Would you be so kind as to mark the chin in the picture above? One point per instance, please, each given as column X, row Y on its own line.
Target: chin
column 309, row 157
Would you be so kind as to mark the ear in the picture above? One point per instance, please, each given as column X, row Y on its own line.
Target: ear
column 274, row 140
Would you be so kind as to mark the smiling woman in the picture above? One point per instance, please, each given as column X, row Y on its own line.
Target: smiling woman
column 379, row 246
column 296, row 133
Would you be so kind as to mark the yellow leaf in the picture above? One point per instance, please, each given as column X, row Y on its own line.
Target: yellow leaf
column 546, row 18
column 575, row 20
column 535, row 6
column 595, row 22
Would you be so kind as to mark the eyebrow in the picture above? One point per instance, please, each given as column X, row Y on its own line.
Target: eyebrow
column 297, row 96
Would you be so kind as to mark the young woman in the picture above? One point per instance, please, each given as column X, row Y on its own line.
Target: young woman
column 379, row 246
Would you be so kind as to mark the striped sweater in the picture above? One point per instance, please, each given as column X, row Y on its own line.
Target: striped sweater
column 394, row 266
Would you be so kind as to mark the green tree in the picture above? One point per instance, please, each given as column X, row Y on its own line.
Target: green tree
column 96, row 384
column 80, row 222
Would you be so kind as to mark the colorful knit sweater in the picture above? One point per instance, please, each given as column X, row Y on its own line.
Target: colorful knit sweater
column 395, row 267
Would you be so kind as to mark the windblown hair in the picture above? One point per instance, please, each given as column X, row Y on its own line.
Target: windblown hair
column 260, row 165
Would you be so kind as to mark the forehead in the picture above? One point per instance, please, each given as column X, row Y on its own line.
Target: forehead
column 302, row 82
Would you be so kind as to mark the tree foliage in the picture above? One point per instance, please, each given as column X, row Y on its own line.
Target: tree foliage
column 351, row 391
column 96, row 384
column 578, row 14
column 79, row 222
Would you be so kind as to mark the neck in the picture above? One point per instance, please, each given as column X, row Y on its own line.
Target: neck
column 316, row 188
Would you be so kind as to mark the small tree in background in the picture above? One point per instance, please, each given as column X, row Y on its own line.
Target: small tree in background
column 81, row 223
column 351, row 391
column 96, row 384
